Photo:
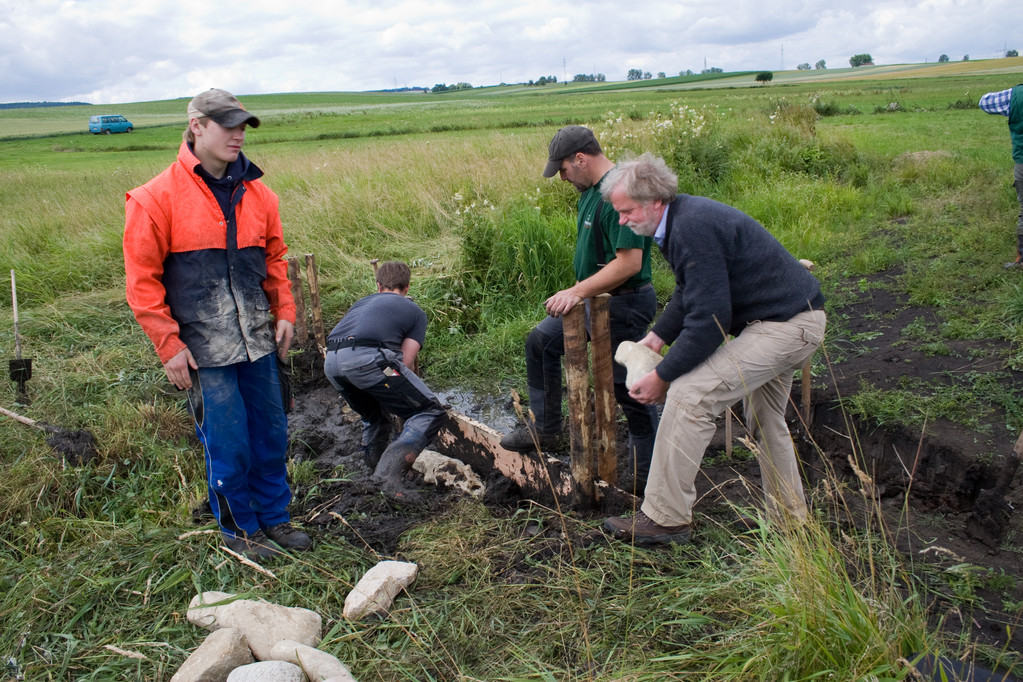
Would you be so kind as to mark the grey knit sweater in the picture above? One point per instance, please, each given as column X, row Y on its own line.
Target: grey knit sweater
column 729, row 271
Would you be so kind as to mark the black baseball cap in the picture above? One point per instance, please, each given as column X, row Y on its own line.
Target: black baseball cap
column 566, row 142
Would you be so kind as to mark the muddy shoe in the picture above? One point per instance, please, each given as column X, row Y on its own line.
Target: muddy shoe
column 641, row 530
column 525, row 439
column 255, row 547
column 203, row 514
column 289, row 537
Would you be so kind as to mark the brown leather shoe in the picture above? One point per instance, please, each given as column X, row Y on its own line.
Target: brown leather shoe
column 641, row 530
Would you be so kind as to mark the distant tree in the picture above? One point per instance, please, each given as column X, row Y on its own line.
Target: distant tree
column 805, row 66
column 660, row 74
column 764, row 77
column 440, row 87
column 861, row 59
column 634, row 75
column 966, row 57
column 601, row 78
column 461, row 86
column 943, row 58
column 820, row 65
column 687, row 72
column 647, row 75
column 713, row 69
column 1011, row 53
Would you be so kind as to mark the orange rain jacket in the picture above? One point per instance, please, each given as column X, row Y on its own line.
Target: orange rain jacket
column 185, row 286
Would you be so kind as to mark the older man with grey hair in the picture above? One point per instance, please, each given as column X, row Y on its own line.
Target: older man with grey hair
column 733, row 279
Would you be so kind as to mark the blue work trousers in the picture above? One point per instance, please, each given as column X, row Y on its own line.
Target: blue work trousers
column 240, row 420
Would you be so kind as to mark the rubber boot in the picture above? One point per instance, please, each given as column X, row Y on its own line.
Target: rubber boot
column 396, row 461
column 374, row 445
column 641, row 451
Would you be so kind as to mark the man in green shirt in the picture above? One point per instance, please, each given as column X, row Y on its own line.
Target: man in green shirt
column 609, row 258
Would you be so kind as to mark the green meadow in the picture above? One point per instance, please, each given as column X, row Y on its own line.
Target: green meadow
column 859, row 170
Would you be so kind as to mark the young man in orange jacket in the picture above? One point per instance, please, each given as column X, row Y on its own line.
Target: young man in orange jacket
column 207, row 281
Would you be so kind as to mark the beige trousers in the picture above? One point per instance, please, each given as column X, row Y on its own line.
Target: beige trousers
column 755, row 367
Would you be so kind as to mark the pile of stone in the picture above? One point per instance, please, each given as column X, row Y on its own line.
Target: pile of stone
column 256, row 641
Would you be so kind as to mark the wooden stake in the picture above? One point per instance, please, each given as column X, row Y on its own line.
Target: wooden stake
column 298, row 291
column 728, row 431
column 806, row 386
column 580, row 415
column 14, row 303
column 603, row 389
column 314, row 303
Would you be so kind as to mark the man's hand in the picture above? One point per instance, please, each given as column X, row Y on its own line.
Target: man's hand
column 177, row 369
column 652, row 341
column 561, row 302
column 285, row 333
column 649, row 389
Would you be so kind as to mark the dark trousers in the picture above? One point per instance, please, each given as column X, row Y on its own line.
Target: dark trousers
column 374, row 380
column 630, row 315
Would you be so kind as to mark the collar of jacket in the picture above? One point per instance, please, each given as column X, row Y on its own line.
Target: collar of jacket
column 247, row 170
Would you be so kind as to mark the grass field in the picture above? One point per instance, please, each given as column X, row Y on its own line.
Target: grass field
column 89, row 556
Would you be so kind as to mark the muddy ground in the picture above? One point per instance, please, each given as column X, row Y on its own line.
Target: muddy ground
column 938, row 487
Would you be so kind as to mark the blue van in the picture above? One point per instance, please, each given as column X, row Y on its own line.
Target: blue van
column 109, row 124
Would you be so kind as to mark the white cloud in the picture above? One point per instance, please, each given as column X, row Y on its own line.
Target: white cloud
column 103, row 51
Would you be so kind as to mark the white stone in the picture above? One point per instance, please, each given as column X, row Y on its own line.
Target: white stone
column 440, row 469
column 214, row 659
column 262, row 623
column 205, row 616
column 317, row 665
column 637, row 359
column 378, row 588
column 268, row 671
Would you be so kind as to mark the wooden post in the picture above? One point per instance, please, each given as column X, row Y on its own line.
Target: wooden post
column 298, row 291
column 580, row 419
column 603, row 390
column 806, row 386
column 314, row 302
column 728, row 431
column 807, row 366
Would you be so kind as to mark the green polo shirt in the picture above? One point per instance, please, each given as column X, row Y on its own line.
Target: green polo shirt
column 615, row 237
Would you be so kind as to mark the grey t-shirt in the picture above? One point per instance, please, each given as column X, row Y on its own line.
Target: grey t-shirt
column 386, row 317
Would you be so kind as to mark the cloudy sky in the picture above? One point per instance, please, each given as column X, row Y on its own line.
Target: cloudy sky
column 107, row 51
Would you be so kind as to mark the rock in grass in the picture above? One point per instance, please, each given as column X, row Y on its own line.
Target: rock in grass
column 268, row 671
column 214, row 659
column 439, row 469
column 378, row 588
column 262, row 623
column 319, row 666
